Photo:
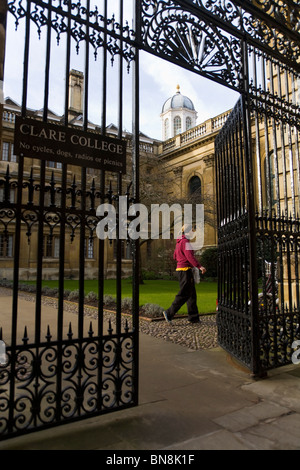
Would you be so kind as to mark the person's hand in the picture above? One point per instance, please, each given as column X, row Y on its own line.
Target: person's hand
column 203, row 270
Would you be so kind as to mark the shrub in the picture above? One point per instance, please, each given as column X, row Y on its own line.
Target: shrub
column 126, row 303
column 109, row 301
column 50, row 292
column 91, row 297
column 151, row 310
column 27, row 287
column 67, row 292
column 74, row 295
column 6, row 283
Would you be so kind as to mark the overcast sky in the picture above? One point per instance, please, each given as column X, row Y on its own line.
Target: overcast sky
column 158, row 78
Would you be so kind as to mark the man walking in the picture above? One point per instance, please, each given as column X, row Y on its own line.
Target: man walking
column 185, row 259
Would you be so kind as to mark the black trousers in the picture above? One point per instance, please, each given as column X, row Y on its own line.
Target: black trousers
column 187, row 294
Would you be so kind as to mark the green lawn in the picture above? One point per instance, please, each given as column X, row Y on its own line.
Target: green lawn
column 158, row 292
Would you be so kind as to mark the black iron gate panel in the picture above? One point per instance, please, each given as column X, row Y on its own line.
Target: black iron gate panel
column 234, row 317
column 275, row 126
column 252, row 47
column 258, row 217
column 58, row 371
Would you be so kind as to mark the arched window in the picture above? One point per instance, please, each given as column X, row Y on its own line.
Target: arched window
column 167, row 129
column 188, row 123
column 177, row 125
column 195, row 185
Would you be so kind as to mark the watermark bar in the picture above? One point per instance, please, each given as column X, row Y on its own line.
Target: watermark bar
column 136, row 222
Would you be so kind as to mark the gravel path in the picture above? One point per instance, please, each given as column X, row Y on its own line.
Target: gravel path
column 192, row 336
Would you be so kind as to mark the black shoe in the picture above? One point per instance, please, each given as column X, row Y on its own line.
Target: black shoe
column 195, row 321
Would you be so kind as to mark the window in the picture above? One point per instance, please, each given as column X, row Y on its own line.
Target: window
column 11, row 195
column 54, row 165
column 89, row 248
column 8, row 152
column 195, row 185
column 177, row 125
column 51, row 246
column 13, row 157
column 188, row 123
column 167, row 129
column 6, row 246
column 5, row 151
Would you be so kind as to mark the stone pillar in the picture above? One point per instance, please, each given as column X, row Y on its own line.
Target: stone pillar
column 178, row 180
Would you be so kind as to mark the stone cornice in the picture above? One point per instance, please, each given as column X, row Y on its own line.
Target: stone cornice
column 184, row 149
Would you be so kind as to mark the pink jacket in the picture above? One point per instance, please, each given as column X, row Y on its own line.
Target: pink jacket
column 185, row 258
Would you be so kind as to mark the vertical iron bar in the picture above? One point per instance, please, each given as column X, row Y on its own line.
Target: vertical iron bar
column 283, row 214
column 295, row 129
column 26, row 60
column 60, row 311
column 118, row 240
column 256, row 365
column 80, row 359
column 285, row 198
column 241, row 158
column 120, row 127
column 67, row 67
column 39, row 270
column 292, row 215
column 3, row 20
column 275, row 144
column 257, row 140
column 14, row 326
column 277, row 213
column 102, row 200
column 231, row 178
column 293, row 77
column 290, row 149
column 47, row 64
column 104, row 70
column 38, row 301
column 135, row 180
column 267, row 173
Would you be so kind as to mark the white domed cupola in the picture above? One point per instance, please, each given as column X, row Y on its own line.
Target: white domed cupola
column 178, row 115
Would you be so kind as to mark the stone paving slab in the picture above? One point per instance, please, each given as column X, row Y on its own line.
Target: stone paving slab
column 251, row 416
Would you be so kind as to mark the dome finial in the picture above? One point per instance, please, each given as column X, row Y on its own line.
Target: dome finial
column 178, row 88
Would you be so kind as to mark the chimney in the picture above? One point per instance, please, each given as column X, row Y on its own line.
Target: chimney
column 76, row 88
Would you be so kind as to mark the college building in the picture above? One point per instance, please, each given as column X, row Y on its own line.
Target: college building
column 177, row 169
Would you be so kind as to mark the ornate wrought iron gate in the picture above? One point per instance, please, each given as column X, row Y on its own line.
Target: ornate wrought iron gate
column 57, row 372
column 72, row 377
column 257, row 171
